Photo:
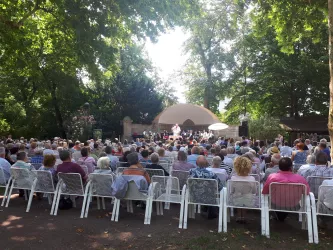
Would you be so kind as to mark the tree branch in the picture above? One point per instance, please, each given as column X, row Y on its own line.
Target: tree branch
column 29, row 13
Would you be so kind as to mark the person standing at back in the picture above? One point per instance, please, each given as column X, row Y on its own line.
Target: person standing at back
column 67, row 166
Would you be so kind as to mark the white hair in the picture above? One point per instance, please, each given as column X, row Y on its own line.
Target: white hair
column 103, row 163
column 276, row 159
column 217, row 161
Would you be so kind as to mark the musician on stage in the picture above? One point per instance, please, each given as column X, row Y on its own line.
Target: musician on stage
column 176, row 131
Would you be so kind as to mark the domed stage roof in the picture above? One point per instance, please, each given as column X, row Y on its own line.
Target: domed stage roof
column 187, row 114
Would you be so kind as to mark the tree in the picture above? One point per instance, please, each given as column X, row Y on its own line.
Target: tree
column 206, row 66
column 264, row 128
column 46, row 46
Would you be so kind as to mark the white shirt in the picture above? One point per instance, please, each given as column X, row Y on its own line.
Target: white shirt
column 220, row 173
column 286, row 151
column 328, row 182
column 309, row 147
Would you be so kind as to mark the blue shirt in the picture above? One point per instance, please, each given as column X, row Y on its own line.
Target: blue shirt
column 327, row 151
column 192, row 159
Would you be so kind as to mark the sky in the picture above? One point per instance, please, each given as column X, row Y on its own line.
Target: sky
column 168, row 57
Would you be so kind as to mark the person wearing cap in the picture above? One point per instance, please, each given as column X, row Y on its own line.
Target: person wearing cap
column 273, row 150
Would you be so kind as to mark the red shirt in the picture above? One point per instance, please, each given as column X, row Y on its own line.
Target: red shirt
column 71, row 167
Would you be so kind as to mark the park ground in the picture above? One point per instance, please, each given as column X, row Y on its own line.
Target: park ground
column 39, row 230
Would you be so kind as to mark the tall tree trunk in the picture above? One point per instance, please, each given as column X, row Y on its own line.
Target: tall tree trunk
column 57, row 110
column 208, row 88
column 330, row 30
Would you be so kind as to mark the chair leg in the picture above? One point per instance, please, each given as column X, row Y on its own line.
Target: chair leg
column 267, row 218
column 199, row 209
column 161, row 208
column 314, row 219
column 84, row 205
column 128, row 206
column 26, row 195
column 225, row 212
column 10, row 193
column 181, row 214
column 117, row 211
column 98, row 204
column 220, row 214
column 304, row 227
column 309, row 219
column 49, row 199
column 185, row 214
column 300, row 217
column 157, row 208
column 114, row 210
column 88, row 203
column 30, row 200
column 6, row 192
column 103, row 203
column 53, row 202
column 147, row 211
column 57, row 202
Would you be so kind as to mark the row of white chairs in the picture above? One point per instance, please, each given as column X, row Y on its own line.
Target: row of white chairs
column 291, row 198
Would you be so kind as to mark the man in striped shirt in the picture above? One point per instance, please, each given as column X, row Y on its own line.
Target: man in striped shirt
column 321, row 168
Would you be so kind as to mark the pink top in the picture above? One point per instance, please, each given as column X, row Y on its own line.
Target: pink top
column 284, row 196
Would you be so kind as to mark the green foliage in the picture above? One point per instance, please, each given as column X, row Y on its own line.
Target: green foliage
column 264, row 127
column 48, row 48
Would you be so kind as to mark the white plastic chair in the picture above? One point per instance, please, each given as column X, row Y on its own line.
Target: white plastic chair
column 151, row 172
column 4, row 184
column 133, row 193
column 243, row 195
column 315, row 182
column 202, row 192
column 70, row 184
column 166, row 189
column 43, row 184
column 21, row 178
column 182, row 177
column 324, row 207
column 36, row 165
column 289, row 198
column 100, row 186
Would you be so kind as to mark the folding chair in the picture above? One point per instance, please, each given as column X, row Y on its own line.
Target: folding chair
column 44, row 184
column 166, row 189
column 100, row 186
column 289, row 198
column 202, row 192
column 324, row 207
column 166, row 166
column 243, row 195
column 71, row 184
column 21, row 178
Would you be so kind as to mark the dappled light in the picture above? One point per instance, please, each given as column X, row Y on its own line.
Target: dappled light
column 10, row 220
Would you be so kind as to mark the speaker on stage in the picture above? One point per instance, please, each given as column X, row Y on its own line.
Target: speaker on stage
column 243, row 130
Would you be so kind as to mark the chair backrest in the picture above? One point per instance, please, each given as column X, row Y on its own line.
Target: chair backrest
column 202, row 191
column 243, row 194
column 166, row 166
column 223, row 178
column 168, row 184
column 287, row 196
column 36, row 165
column 325, row 200
column 315, row 182
column 73, row 183
column 181, row 175
column 101, row 184
column 120, row 170
column 256, row 177
column 121, row 164
column 44, row 181
column 133, row 193
column 23, row 177
column 152, row 172
column 2, row 178
column 144, row 163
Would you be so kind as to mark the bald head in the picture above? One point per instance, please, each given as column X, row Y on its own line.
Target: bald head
column 275, row 159
column 202, row 162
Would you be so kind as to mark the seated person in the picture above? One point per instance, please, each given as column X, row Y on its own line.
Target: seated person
column 195, row 152
column 311, row 164
column 113, row 159
column 22, row 161
column 48, row 165
column 86, row 158
column 37, row 158
column 135, row 168
column 67, row 166
column 285, row 176
column 243, row 193
column 321, row 169
column 145, row 155
column 215, row 168
column 182, row 163
column 103, row 166
column 202, row 172
column 154, row 163
column 4, row 164
column 274, row 166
